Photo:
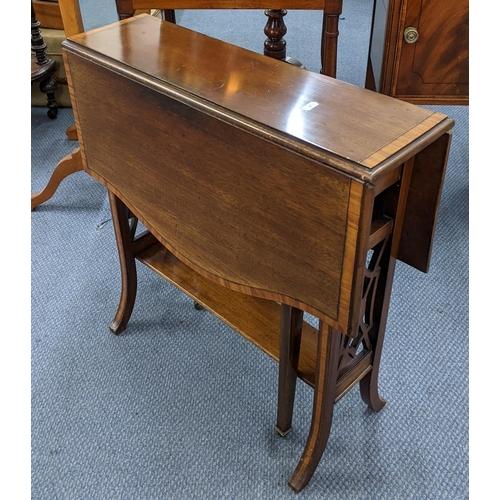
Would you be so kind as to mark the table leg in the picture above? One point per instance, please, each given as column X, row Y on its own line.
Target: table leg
column 329, row 346
column 124, row 240
column 290, row 335
column 370, row 326
column 329, row 37
column 49, row 86
column 377, row 298
column 275, row 29
column 71, row 133
column 68, row 165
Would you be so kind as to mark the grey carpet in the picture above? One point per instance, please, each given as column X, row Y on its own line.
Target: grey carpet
column 180, row 406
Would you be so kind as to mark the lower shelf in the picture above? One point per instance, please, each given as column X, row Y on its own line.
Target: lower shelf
column 256, row 319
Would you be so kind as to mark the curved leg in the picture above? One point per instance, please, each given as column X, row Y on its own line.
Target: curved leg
column 329, row 344
column 368, row 386
column 124, row 241
column 373, row 324
column 381, row 296
column 377, row 307
column 68, row 165
column 290, row 335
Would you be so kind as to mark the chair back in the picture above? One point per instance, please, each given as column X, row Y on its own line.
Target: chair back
column 275, row 28
column 59, row 15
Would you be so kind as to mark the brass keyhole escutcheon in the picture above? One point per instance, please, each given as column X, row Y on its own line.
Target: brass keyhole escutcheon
column 410, row 34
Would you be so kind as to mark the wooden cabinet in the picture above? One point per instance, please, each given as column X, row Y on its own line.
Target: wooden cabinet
column 419, row 51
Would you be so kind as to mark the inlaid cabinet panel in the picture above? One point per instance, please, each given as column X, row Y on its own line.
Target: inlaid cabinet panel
column 419, row 51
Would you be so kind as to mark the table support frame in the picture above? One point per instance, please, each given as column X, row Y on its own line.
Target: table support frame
column 341, row 361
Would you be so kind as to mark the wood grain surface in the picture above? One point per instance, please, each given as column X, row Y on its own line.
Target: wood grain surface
column 349, row 123
column 239, row 208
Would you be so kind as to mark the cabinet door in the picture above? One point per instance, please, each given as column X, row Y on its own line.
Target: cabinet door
column 432, row 69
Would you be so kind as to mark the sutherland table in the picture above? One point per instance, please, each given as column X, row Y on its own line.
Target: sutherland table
column 266, row 191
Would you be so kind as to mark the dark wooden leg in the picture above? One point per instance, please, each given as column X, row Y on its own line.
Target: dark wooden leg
column 370, row 83
column 124, row 9
column 290, row 335
column 329, row 345
column 169, row 15
column 124, row 240
column 275, row 29
column 42, row 68
column 371, row 325
column 329, row 37
column 382, row 266
column 68, row 165
column 49, row 87
column 275, row 45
